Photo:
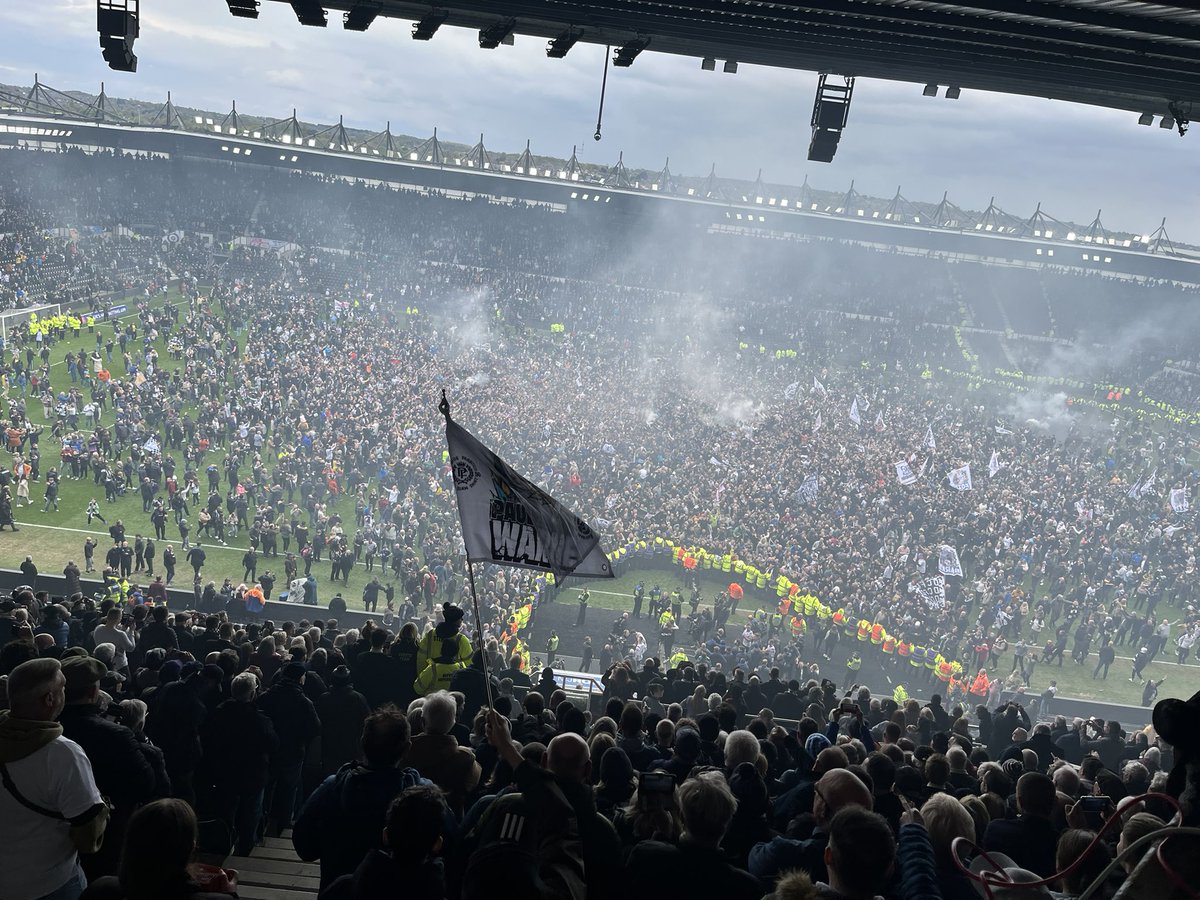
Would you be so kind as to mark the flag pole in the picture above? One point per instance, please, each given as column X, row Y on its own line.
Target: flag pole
column 444, row 408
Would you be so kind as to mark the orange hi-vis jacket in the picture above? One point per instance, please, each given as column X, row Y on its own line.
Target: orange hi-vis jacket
column 981, row 685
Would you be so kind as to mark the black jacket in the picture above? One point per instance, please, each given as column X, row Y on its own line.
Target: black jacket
column 238, row 743
column 123, row 773
column 342, row 712
column 656, row 870
column 294, row 717
column 376, row 677
column 1027, row 840
column 174, row 723
column 473, row 686
column 379, row 875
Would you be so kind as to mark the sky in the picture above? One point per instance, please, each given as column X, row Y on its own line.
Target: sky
column 1073, row 159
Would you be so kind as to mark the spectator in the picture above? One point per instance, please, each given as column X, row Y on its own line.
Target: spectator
column 694, row 866
column 1030, row 839
column 39, row 853
column 341, row 820
column 436, row 754
column 296, row 723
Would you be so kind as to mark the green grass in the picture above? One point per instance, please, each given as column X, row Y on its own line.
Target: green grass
column 54, row 537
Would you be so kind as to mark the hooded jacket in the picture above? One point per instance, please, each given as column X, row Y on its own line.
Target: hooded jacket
column 73, row 816
column 380, row 875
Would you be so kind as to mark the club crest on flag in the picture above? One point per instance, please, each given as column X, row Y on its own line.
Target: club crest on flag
column 508, row 520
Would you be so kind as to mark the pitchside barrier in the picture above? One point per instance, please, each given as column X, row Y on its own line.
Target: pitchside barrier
column 586, row 685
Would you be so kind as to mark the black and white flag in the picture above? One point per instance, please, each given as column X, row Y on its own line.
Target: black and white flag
column 932, row 590
column 789, row 392
column 904, row 473
column 879, row 423
column 948, row 563
column 1179, row 500
column 960, row 478
column 817, row 423
column 929, row 441
column 854, row 416
column 807, row 492
column 509, row 521
column 819, row 388
column 1143, row 486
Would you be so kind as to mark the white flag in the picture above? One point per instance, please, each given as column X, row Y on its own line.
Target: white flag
column 994, row 464
column 509, row 521
column 789, row 392
column 879, row 424
column 1000, row 429
column 1179, row 500
column 817, row 423
column 948, row 563
column 173, row 238
column 960, row 478
column 819, row 388
column 925, row 466
column 854, row 416
column 929, row 441
column 904, row 473
column 866, row 404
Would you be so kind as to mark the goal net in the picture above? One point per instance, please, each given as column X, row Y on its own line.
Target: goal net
column 13, row 320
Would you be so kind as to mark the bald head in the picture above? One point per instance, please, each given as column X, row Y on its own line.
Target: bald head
column 836, row 790
column 568, row 758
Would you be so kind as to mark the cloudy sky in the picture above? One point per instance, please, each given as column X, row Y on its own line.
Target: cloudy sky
column 1073, row 159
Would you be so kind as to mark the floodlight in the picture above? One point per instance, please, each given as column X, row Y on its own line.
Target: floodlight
column 1167, row 122
column 1146, row 119
column 309, row 12
column 496, row 34
column 730, row 67
column 625, row 56
column 708, row 64
column 244, row 9
column 561, row 45
column 427, row 27
column 360, row 17
column 930, row 90
column 952, row 93
column 117, row 21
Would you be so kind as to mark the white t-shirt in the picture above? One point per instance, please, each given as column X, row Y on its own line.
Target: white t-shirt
column 36, row 853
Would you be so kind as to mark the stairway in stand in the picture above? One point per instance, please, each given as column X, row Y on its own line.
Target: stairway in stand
column 274, row 872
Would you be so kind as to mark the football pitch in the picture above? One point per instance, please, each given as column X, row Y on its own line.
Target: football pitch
column 52, row 538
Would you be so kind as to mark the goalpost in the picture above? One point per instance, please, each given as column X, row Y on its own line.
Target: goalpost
column 13, row 319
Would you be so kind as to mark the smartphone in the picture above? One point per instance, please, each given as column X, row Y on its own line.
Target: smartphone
column 657, row 782
column 1093, row 810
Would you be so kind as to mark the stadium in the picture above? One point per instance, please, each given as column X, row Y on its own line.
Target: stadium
column 384, row 513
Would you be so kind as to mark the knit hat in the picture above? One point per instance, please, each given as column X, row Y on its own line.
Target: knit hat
column 815, row 743
column 293, row 671
column 451, row 613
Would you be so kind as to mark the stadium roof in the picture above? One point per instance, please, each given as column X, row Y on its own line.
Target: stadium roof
column 991, row 236
column 1121, row 54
